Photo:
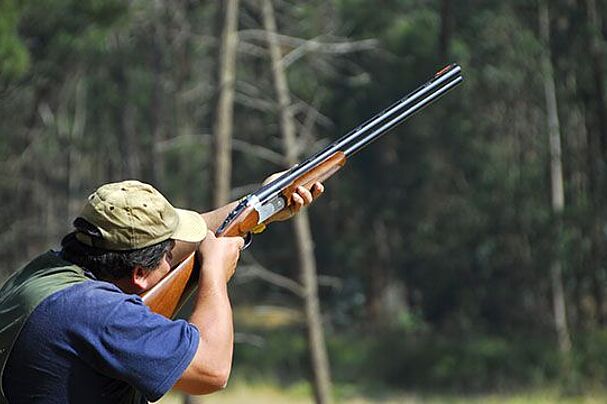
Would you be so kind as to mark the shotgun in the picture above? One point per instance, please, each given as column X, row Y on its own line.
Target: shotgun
column 256, row 210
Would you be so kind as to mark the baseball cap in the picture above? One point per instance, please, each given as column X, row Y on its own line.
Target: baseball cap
column 130, row 214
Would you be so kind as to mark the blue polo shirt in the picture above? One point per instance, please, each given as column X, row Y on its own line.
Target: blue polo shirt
column 92, row 343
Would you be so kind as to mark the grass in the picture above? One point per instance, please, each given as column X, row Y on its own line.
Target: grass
column 268, row 393
column 250, row 394
column 272, row 364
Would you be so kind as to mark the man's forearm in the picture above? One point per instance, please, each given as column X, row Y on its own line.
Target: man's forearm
column 215, row 218
column 213, row 316
column 301, row 197
column 210, row 368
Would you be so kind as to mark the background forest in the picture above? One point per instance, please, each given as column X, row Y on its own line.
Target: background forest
column 464, row 253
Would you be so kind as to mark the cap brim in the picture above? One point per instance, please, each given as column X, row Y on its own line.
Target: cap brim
column 191, row 228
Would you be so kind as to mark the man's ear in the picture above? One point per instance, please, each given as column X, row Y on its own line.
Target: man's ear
column 140, row 279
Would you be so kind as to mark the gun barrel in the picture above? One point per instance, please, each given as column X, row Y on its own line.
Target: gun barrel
column 375, row 134
column 371, row 129
column 440, row 79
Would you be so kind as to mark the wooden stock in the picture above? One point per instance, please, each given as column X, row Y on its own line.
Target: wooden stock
column 169, row 295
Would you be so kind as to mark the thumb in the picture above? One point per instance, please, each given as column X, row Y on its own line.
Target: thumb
column 273, row 177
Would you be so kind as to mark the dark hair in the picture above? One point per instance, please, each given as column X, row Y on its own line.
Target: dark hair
column 112, row 264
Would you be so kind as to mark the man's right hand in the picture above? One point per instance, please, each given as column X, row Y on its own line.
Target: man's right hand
column 219, row 256
column 209, row 370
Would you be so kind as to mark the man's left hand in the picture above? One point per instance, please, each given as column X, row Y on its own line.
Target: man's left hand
column 301, row 197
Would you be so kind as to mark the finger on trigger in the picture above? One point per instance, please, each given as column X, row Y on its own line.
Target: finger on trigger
column 240, row 243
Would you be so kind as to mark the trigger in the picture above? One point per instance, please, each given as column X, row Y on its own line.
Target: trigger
column 248, row 239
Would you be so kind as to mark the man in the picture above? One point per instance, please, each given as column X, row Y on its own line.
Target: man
column 73, row 328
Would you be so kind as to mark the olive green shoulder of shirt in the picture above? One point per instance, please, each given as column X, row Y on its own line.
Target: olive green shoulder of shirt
column 25, row 290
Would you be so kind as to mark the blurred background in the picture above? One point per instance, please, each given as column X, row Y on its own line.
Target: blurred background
column 461, row 258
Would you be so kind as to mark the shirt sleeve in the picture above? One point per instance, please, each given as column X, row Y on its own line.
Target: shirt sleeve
column 135, row 345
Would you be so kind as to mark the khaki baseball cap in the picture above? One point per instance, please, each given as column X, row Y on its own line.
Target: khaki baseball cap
column 130, row 214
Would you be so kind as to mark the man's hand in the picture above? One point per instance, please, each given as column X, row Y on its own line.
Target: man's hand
column 219, row 256
column 302, row 197
column 209, row 370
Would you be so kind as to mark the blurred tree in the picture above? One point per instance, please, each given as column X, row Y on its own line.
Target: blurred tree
column 301, row 222
column 225, row 106
column 556, row 177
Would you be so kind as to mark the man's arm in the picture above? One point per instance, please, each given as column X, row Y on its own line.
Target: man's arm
column 301, row 198
column 210, row 368
column 215, row 218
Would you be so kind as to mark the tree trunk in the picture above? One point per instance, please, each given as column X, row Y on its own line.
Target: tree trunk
column 128, row 138
column 74, row 158
column 225, row 106
column 598, row 69
column 377, row 278
column 445, row 29
column 184, row 125
column 556, row 176
column 385, row 296
column 599, row 144
column 594, row 259
column 303, row 234
column 157, row 110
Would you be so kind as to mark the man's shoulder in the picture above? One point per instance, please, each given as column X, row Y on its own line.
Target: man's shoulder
column 80, row 314
column 91, row 299
column 42, row 276
column 23, row 293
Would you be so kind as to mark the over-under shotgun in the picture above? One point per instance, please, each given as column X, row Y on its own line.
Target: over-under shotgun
column 258, row 208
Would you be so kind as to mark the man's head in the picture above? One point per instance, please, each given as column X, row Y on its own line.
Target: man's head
column 130, row 215
column 126, row 230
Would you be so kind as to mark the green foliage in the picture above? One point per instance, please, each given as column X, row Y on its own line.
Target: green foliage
column 591, row 356
column 281, row 356
column 454, row 207
column 14, row 58
column 392, row 359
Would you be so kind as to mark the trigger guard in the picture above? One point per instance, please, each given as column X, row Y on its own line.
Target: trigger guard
column 248, row 239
